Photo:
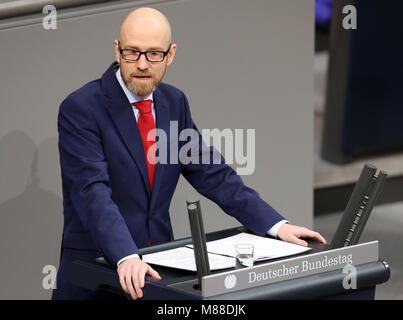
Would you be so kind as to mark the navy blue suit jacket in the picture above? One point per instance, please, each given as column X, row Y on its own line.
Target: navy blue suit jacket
column 106, row 193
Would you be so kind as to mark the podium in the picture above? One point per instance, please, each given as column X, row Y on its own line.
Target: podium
column 182, row 285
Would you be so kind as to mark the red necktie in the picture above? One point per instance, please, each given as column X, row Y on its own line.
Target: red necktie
column 145, row 124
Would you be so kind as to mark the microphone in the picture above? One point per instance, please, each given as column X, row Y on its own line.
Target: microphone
column 198, row 237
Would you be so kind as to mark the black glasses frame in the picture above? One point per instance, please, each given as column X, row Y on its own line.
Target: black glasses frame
column 143, row 52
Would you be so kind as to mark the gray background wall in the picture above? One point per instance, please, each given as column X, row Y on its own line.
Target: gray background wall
column 264, row 83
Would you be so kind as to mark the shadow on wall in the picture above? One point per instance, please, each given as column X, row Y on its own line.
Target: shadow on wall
column 30, row 216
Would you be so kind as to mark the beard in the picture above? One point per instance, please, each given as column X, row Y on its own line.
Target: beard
column 143, row 90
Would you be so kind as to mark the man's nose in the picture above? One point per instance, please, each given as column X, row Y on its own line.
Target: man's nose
column 142, row 62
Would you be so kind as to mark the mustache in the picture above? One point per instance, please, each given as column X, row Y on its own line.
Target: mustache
column 141, row 74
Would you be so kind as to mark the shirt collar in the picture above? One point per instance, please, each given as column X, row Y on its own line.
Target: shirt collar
column 130, row 95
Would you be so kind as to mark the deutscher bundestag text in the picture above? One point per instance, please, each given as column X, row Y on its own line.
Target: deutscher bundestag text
column 301, row 267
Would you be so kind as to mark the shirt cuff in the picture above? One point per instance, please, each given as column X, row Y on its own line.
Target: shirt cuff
column 128, row 257
column 274, row 229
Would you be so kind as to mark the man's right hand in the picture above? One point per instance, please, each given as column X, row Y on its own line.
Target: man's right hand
column 132, row 274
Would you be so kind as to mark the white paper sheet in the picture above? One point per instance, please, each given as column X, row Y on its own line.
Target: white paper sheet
column 183, row 258
column 221, row 252
column 264, row 248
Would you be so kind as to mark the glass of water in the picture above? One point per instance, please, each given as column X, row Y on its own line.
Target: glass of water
column 244, row 255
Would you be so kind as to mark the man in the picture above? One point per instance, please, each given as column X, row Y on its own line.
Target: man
column 115, row 199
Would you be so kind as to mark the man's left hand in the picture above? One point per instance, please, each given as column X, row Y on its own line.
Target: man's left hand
column 291, row 233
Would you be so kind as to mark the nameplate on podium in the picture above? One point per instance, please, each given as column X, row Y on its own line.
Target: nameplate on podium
column 291, row 268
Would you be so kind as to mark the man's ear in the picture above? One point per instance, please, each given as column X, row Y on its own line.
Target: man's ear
column 171, row 54
column 117, row 53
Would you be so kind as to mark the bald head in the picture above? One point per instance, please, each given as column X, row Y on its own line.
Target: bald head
column 146, row 24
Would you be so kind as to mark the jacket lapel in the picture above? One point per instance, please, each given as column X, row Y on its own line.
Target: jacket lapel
column 121, row 112
column 162, row 122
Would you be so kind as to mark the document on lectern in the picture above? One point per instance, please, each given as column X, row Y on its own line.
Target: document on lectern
column 183, row 258
column 221, row 253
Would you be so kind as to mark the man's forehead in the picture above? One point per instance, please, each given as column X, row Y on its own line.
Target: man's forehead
column 144, row 42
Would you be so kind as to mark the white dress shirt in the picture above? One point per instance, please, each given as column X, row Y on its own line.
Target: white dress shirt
column 133, row 98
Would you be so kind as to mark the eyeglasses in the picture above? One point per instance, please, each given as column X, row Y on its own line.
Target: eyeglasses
column 151, row 56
